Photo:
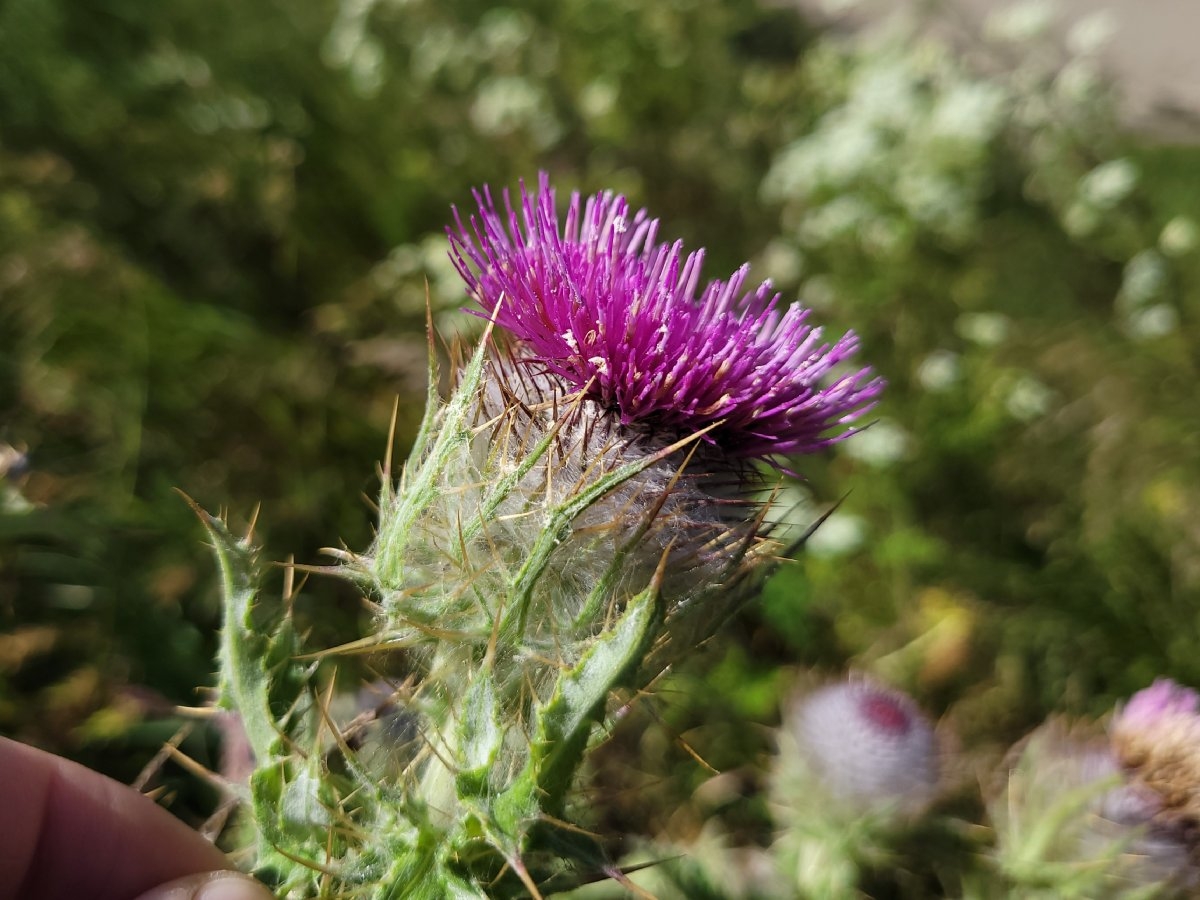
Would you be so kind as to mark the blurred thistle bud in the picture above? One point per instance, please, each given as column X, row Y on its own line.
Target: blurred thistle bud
column 1068, row 818
column 857, row 763
column 869, row 746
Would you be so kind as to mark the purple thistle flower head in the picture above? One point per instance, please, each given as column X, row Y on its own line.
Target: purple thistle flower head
column 603, row 304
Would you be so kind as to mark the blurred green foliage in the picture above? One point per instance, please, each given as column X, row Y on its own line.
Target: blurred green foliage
column 217, row 229
column 220, row 225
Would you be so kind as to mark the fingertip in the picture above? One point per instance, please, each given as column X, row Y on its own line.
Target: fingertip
column 210, row 886
column 67, row 832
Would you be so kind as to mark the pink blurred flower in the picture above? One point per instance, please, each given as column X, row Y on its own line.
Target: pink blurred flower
column 1162, row 699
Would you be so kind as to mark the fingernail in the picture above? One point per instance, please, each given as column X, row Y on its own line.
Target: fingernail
column 231, row 886
column 210, row 886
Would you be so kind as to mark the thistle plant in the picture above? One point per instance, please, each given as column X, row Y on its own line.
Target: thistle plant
column 574, row 515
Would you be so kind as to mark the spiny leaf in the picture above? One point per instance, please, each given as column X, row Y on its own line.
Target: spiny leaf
column 245, row 677
column 564, row 721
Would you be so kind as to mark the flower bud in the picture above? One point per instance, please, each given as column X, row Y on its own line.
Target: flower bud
column 856, row 762
column 868, row 745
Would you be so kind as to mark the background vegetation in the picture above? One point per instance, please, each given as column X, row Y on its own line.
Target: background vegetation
column 217, row 223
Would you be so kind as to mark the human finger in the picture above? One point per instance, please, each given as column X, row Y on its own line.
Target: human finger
column 67, row 832
column 209, row 886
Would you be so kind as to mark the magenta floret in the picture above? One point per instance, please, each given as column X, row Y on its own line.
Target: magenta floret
column 1165, row 698
column 603, row 304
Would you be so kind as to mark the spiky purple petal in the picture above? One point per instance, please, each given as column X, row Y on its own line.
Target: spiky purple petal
column 602, row 303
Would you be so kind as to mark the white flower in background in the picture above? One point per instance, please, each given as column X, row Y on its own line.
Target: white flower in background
column 598, row 98
column 880, row 444
column 782, row 262
column 1079, row 82
column 1028, row 399
column 1153, row 322
column 969, row 111
column 844, row 215
column 438, row 48
column 509, row 103
column 936, row 200
column 1179, row 237
column 792, row 509
column 1081, row 220
column 886, row 94
column 940, row 371
column 503, row 32
column 837, row 7
column 1109, row 183
column 836, row 154
column 819, row 292
column 839, row 535
column 987, row 329
column 1020, row 23
column 1143, row 280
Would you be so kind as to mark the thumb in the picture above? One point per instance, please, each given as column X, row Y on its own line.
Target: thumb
column 209, row 886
